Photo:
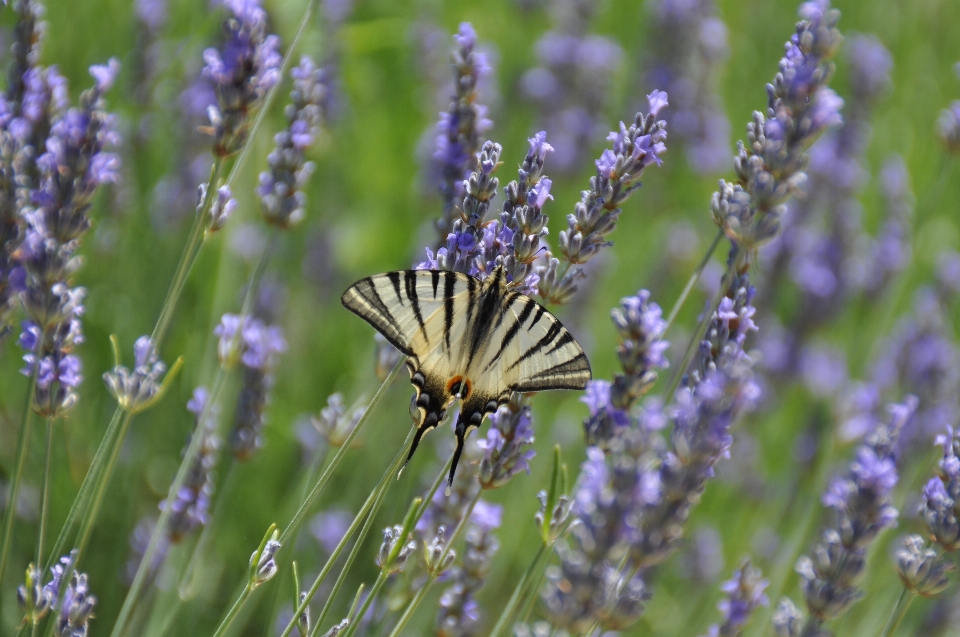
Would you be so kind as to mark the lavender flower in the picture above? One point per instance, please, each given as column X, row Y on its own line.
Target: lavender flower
column 595, row 215
column 939, row 509
column 76, row 608
column 507, row 444
column 191, row 505
column 34, row 599
column 464, row 243
column 861, row 501
column 799, row 109
column 257, row 346
column 571, row 85
column 281, row 188
column 459, row 613
column 241, row 74
column 70, row 170
column 391, row 537
column 744, row 595
column 461, row 127
column 889, row 254
column 921, row 570
column 689, row 48
column 641, row 354
column 333, row 422
column 137, row 389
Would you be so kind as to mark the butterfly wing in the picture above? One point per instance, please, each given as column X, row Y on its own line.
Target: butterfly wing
column 538, row 352
column 424, row 314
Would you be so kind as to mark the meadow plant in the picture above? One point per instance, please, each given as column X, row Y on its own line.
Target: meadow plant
column 836, row 297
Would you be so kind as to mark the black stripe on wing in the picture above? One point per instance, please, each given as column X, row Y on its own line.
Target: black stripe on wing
column 362, row 299
column 571, row 374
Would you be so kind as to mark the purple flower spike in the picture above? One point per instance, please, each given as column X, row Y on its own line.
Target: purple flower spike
column 281, row 188
column 241, row 73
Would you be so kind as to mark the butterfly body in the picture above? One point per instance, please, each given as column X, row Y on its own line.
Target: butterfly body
column 465, row 338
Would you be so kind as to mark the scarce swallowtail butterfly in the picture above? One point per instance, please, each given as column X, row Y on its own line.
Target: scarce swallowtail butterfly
column 469, row 339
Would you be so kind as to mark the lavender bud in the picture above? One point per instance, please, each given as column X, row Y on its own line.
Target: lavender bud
column 434, row 551
column 135, row 390
column 507, row 445
column 921, row 569
column 558, row 517
column 392, row 537
column 266, row 566
column 787, row 619
column 339, row 628
column 303, row 620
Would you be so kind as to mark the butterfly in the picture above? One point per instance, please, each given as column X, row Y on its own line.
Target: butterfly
column 464, row 338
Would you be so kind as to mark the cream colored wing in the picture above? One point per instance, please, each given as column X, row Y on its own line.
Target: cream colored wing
column 535, row 352
column 413, row 309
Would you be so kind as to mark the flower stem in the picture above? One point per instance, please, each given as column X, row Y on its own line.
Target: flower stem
column 693, row 280
column 698, row 333
column 45, row 492
column 408, row 611
column 337, row 458
column 233, row 612
column 370, row 506
column 187, row 258
column 518, row 593
column 143, row 569
column 899, row 611
column 23, row 444
column 101, row 487
column 374, row 591
column 351, row 556
column 89, row 480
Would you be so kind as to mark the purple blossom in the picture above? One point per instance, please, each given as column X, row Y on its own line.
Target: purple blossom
column 135, row 389
column 191, row 505
column 861, row 501
column 281, row 188
column 507, row 445
column 241, row 73
column 689, row 48
column 743, row 595
column 595, row 215
column 461, row 127
column 940, row 507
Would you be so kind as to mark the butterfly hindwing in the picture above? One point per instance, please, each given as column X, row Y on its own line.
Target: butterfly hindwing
column 532, row 351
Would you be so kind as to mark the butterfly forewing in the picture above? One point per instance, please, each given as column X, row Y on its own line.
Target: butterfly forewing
column 413, row 309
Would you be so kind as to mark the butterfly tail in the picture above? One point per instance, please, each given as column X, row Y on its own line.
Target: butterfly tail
column 461, row 436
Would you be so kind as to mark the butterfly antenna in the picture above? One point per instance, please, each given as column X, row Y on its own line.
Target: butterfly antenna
column 456, row 458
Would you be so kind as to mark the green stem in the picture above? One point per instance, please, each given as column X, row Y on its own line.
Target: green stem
column 144, row 568
column 693, row 280
column 408, row 612
column 698, row 333
column 337, row 458
column 518, row 592
column 101, row 487
column 899, row 611
column 23, row 444
column 374, row 591
column 88, row 484
column 351, row 556
column 187, row 258
column 371, row 505
column 45, row 492
column 233, row 612
column 534, row 584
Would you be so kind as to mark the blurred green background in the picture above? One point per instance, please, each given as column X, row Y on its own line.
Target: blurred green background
column 369, row 212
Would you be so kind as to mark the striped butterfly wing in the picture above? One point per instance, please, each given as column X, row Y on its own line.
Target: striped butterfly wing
column 424, row 314
column 535, row 352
